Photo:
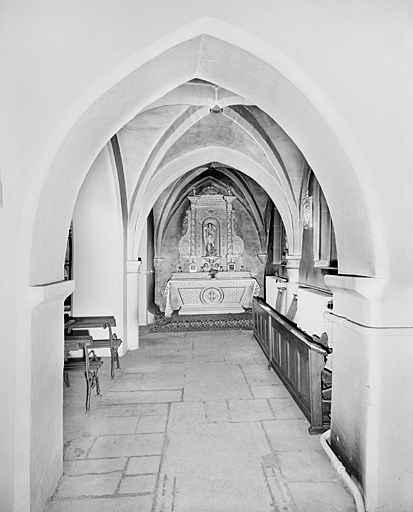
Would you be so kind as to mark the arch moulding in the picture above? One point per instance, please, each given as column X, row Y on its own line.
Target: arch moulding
column 238, row 58
column 180, row 166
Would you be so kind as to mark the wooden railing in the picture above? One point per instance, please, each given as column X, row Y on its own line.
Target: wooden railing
column 296, row 359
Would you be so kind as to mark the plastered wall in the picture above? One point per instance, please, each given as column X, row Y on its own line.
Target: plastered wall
column 342, row 92
column 46, row 418
column 170, row 248
column 380, row 31
column 99, row 260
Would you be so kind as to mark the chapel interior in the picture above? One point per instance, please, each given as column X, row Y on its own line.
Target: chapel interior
column 205, row 161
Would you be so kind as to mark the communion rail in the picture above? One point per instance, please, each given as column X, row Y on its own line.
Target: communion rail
column 296, row 359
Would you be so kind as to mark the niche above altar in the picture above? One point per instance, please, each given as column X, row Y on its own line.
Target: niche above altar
column 210, row 239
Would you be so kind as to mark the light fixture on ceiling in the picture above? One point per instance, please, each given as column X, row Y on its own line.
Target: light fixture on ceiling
column 216, row 109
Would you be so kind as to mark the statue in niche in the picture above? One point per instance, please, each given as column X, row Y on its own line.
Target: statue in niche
column 210, row 232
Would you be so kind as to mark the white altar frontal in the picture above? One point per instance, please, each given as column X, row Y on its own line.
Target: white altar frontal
column 199, row 293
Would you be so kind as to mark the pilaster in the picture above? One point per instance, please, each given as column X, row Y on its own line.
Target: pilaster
column 132, row 285
column 229, row 226
column 193, row 229
column 292, row 275
column 372, row 415
column 38, row 420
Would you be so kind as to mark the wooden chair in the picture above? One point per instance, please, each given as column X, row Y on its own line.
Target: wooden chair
column 88, row 364
column 113, row 344
column 112, row 341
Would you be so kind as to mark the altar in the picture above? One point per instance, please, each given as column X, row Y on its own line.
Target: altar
column 199, row 293
column 210, row 277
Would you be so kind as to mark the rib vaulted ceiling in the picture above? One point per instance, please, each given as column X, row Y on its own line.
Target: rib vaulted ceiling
column 200, row 118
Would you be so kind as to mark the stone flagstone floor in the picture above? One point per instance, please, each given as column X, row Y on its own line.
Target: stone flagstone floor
column 193, row 422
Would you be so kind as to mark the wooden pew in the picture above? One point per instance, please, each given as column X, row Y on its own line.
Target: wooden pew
column 88, row 364
column 112, row 342
column 296, row 359
column 326, row 375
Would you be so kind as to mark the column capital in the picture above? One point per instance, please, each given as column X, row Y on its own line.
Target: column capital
column 372, row 302
column 133, row 266
column 262, row 256
column 293, row 261
column 50, row 292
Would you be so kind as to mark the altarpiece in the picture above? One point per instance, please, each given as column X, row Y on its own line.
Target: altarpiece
column 210, row 276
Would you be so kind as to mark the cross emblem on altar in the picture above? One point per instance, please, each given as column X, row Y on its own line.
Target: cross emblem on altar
column 212, row 296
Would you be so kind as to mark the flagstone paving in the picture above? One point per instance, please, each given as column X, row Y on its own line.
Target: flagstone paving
column 193, row 422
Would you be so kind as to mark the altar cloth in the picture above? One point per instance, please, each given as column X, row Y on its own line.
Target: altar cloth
column 202, row 294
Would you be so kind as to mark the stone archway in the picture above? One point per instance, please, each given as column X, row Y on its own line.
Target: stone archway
column 123, row 92
column 179, row 167
column 340, row 169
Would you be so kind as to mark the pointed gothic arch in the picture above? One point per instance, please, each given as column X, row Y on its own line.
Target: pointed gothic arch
column 158, row 68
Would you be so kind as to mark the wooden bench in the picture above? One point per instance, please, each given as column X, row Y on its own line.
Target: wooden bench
column 112, row 342
column 88, row 364
column 326, row 375
column 296, row 359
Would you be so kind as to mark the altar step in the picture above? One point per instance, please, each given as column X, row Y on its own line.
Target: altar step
column 213, row 309
column 203, row 322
